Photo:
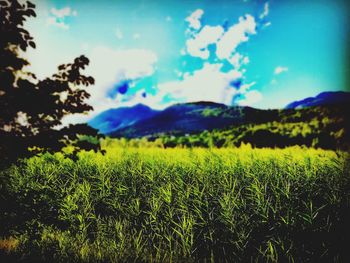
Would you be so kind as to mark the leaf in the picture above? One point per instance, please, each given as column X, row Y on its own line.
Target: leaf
column 32, row 44
column 30, row 4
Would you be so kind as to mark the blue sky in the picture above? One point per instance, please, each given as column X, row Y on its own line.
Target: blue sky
column 263, row 54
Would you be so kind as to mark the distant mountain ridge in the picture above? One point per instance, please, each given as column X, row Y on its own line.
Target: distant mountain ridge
column 114, row 119
column 189, row 118
column 185, row 118
column 324, row 98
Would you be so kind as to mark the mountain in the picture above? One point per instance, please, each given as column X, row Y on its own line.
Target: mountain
column 322, row 99
column 114, row 119
column 326, row 127
column 196, row 117
column 189, row 118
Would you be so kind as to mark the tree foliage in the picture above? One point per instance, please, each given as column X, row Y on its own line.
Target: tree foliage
column 32, row 109
column 324, row 127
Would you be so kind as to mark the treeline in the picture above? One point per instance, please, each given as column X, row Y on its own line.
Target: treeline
column 319, row 127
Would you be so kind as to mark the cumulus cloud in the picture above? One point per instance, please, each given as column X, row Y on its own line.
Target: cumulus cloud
column 194, row 19
column 197, row 46
column 280, row 69
column 235, row 35
column 208, row 83
column 113, row 69
column 211, row 82
column 250, row 98
column 226, row 40
column 57, row 17
column 237, row 60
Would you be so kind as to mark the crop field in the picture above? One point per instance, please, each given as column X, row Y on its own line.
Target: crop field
column 178, row 205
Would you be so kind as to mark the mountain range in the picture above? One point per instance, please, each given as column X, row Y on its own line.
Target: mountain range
column 189, row 118
column 322, row 99
column 116, row 119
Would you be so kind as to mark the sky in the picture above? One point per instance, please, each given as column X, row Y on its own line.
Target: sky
column 262, row 54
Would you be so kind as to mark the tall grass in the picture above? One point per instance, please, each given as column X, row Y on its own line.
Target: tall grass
column 179, row 205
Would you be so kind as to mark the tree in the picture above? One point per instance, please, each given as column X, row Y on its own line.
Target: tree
column 31, row 110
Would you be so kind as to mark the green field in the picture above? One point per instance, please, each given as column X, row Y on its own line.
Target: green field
column 178, row 205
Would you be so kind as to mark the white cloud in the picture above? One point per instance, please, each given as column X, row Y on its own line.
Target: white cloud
column 245, row 87
column 267, row 24
column 246, row 60
column 61, row 13
column 235, row 35
column 250, row 98
column 237, row 60
column 109, row 67
column 280, row 69
column 197, row 46
column 52, row 21
column 226, row 42
column 194, row 19
column 57, row 17
column 153, row 101
column 50, row 51
column 210, row 83
column 265, row 12
column 207, row 83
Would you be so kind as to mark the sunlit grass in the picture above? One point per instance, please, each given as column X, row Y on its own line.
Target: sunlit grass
column 153, row 204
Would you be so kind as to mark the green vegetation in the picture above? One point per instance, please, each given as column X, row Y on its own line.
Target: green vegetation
column 319, row 127
column 31, row 110
column 179, row 205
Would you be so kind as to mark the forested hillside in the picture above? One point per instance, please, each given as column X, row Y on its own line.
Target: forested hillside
column 324, row 127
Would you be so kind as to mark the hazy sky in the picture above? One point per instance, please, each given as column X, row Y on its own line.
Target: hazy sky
column 263, row 54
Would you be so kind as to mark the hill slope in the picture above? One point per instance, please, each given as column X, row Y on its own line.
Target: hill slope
column 114, row 119
column 190, row 118
column 322, row 99
column 194, row 118
column 326, row 127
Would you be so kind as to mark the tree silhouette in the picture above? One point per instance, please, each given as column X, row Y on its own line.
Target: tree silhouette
column 32, row 109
